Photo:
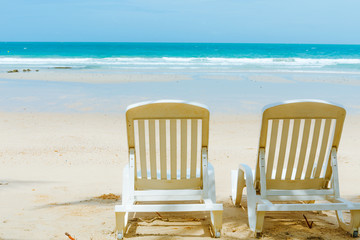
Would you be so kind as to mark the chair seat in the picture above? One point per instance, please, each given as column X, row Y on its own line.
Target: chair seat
column 307, row 207
column 170, row 207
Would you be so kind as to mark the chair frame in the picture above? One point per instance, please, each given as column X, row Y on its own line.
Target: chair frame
column 264, row 193
column 164, row 187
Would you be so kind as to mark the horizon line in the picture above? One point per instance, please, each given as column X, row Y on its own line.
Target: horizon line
column 180, row 42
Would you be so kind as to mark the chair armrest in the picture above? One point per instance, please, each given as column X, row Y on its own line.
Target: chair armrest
column 243, row 177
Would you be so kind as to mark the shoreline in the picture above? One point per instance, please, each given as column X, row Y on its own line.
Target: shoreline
column 143, row 74
column 226, row 92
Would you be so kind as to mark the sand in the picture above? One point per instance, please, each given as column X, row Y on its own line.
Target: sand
column 58, row 169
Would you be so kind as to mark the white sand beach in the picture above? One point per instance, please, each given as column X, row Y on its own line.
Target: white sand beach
column 57, row 169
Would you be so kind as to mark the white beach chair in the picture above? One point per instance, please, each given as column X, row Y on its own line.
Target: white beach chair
column 296, row 162
column 159, row 168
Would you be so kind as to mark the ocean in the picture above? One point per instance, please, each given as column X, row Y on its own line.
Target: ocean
column 205, row 56
column 231, row 78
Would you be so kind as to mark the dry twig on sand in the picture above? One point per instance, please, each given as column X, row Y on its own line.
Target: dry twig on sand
column 69, row 236
column 309, row 224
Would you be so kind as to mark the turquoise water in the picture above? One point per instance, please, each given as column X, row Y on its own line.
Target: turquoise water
column 180, row 50
column 239, row 57
column 226, row 77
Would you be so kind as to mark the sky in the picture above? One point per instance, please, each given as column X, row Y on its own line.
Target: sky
column 234, row 21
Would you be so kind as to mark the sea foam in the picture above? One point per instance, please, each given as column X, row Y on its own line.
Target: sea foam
column 182, row 62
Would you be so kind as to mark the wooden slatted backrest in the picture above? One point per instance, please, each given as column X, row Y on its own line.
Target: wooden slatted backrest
column 167, row 137
column 297, row 137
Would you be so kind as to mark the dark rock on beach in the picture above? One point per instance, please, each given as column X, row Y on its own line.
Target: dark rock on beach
column 62, row 67
column 24, row 70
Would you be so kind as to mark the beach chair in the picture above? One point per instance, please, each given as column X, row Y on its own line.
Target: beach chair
column 296, row 163
column 168, row 161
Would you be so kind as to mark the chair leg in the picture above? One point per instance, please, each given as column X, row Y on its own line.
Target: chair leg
column 352, row 227
column 211, row 192
column 216, row 222
column 259, row 222
column 121, row 222
column 238, row 184
column 255, row 218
